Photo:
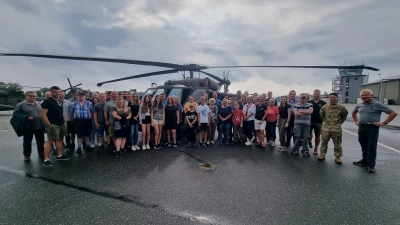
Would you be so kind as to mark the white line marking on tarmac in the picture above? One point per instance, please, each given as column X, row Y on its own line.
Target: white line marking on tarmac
column 383, row 145
column 6, row 130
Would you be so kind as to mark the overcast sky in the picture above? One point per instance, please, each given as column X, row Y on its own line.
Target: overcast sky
column 208, row 32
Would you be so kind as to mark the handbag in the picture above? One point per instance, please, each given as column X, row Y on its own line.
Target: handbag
column 117, row 125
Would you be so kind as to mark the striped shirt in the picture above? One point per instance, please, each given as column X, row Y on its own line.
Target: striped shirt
column 83, row 111
column 306, row 119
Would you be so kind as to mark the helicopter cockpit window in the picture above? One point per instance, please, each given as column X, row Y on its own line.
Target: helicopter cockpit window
column 197, row 94
column 158, row 92
column 176, row 92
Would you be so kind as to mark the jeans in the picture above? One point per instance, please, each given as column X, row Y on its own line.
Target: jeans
column 191, row 138
column 93, row 135
column 270, row 131
column 211, row 131
column 368, row 138
column 289, row 131
column 134, row 134
column 301, row 132
column 224, row 129
column 248, row 127
column 28, row 136
column 282, row 131
column 237, row 133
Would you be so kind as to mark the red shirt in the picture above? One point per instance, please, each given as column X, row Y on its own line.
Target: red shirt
column 237, row 116
column 272, row 113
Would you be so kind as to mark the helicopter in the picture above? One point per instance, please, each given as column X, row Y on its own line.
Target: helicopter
column 185, row 87
column 9, row 99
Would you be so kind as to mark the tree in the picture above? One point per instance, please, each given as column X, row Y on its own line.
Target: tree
column 10, row 87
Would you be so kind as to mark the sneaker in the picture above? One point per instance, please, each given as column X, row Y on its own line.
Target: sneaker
column 208, row 143
column 201, row 145
column 117, row 155
column 370, row 169
column 178, row 141
column 247, row 143
column 212, row 142
column 220, row 142
column 194, row 145
column 189, row 145
column 27, row 159
column 79, row 151
column 310, row 145
column 98, row 144
column 338, row 160
column 148, row 146
column 315, row 151
column 175, row 146
column 62, row 158
column 273, row 144
column 137, row 147
column 269, row 142
column 295, row 152
column 159, row 146
column 282, row 149
column 205, row 145
column 47, row 163
column 254, row 140
column 360, row 163
column 306, row 154
column 133, row 148
column 144, row 147
column 169, row 145
column 121, row 152
column 92, row 145
column 156, row 147
column 321, row 157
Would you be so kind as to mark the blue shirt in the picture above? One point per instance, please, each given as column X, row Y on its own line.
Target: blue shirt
column 83, row 111
column 164, row 102
column 218, row 102
column 371, row 112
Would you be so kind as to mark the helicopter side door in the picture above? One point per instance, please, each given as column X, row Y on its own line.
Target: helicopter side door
column 197, row 93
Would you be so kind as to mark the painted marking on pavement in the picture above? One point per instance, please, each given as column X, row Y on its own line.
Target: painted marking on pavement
column 383, row 145
column 7, row 130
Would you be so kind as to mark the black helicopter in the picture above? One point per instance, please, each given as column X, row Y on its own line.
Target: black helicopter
column 180, row 87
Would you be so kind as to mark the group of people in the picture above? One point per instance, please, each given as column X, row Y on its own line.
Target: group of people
column 245, row 119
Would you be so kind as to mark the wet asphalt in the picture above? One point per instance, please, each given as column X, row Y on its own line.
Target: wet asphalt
column 249, row 186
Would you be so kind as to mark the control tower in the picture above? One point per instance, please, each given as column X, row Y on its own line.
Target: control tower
column 347, row 84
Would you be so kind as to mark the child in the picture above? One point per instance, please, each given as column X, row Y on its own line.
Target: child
column 191, row 119
column 204, row 121
column 237, row 118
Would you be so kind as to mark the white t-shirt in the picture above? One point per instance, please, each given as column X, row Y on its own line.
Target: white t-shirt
column 204, row 111
column 247, row 110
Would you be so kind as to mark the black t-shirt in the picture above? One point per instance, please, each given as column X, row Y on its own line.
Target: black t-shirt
column 224, row 112
column 170, row 113
column 260, row 111
column 191, row 116
column 135, row 112
column 315, row 116
column 283, row 111
column 55, row 111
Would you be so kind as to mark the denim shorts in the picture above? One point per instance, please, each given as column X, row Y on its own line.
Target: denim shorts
column 103, row 128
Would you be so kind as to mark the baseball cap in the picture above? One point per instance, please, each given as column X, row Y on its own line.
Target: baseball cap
column 303, row 95
column 81, row 93
column 73, row 90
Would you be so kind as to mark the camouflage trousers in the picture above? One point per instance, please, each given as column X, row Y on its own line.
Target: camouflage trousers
column 337, row 142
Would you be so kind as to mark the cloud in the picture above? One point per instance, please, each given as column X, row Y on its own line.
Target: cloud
column 213, row 33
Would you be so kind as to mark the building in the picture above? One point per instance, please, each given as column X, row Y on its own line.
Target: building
column 388, row 88
column 347, row 84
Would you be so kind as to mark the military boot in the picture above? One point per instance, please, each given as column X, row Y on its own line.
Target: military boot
column 321, row 157
column 338, row 160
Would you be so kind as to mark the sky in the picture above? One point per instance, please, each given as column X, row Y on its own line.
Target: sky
column 206, row 32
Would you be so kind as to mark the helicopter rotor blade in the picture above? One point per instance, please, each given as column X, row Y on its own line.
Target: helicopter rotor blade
column 304, row 67
column 139, row 76
column 215, row 77
column 97, row 59
column 70, row 85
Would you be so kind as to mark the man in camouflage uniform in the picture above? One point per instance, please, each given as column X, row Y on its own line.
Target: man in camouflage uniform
column 333, row 115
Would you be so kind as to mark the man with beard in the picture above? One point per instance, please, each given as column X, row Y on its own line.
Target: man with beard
column 52, row 114
column 108, row 117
